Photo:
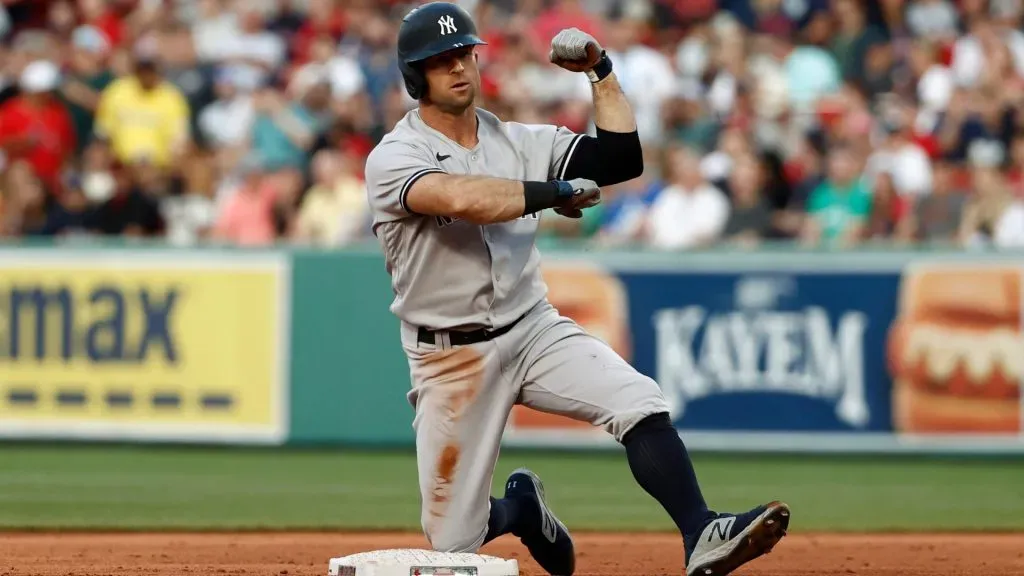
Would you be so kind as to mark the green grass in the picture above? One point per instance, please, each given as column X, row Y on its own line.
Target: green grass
column 163, row 488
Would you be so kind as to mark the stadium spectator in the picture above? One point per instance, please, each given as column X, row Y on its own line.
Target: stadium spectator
column 131, row 210
column 805, row 171
column 334, row 211
column 226, row 122
column 142, row 116
column 25, row 47
column 899, row 156
column 324, row 21
column 36, row 127
column 23, row 207
column 933, row 19
column 105, row 17
column 285, row 130
column 689, row 212
column 61, row 18
column 936, row 218
column 251, row 49
column 250, row 215
column 750, row 220
column 645, row 74
column 992, row 217
column 889, row 210
column 933, row 84
column 70, row 213
column 853, row 38
column 626, row 206
column 189, row 209
column 171, row 101
column 839, row 207
column 213, row 22
column 809, row 72
column 342, row 71
column 87, row 79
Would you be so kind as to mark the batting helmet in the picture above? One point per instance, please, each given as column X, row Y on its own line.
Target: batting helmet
column 429, row 30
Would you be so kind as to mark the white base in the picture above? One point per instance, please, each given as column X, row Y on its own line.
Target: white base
column 412, row 562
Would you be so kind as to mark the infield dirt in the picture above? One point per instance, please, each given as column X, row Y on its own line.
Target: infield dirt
column 306, row 554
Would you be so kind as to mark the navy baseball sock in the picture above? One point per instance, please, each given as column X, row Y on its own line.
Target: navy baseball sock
column 662, row 467
column 504, row 518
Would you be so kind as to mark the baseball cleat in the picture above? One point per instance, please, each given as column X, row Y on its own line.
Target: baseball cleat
column 729, row 541
column 545, row 536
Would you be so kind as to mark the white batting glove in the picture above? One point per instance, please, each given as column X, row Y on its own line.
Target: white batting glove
column 587, row 193
column 575, row 50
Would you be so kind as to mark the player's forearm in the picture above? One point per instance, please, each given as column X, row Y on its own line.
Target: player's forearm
column 612, row 111
column 616, row 154
column 476, row 199
column 479, row 199
column 482, row 200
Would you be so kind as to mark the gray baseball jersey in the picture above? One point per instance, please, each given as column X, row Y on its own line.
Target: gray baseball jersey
column 451, row 275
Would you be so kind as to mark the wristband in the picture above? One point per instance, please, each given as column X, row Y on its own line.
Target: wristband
column 601, row 70
column 538, row 196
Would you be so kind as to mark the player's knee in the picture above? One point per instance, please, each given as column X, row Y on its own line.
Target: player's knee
column 650, row 424
column 649, row 406
column 456, row 539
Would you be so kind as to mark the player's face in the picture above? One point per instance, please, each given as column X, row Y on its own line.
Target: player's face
column 453, row 78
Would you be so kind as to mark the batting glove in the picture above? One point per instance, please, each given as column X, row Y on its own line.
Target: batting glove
column 575, row 195
column 577, row 51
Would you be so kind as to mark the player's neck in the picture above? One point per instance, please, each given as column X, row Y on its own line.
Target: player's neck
column 459, row 127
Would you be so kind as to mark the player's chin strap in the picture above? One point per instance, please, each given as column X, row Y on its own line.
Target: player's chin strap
column 601, row 70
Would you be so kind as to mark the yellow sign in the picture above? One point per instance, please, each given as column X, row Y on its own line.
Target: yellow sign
column 132, row 345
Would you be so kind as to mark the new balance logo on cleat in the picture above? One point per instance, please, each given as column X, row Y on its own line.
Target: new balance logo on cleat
column 720, row 529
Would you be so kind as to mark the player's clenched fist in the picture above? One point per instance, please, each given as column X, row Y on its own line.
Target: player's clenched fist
column 575, row 50
column 575, row 195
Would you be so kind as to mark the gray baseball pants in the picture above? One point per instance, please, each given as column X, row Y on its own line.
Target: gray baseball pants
column 463, row 396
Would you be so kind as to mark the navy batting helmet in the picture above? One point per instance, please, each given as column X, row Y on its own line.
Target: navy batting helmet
column 429, row 30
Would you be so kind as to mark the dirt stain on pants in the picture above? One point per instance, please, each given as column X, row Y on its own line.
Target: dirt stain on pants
column 453, row 378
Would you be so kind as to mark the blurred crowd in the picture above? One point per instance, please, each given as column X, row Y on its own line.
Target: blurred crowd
column 821, row 122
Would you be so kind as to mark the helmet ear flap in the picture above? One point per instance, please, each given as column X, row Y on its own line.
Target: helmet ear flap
column 415, row 81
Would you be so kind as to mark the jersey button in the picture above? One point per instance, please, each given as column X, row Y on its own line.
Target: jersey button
column 474, row 156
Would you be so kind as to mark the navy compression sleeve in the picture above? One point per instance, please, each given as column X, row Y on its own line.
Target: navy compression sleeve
column 610, row 158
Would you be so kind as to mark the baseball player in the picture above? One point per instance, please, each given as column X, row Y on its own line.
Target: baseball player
column 456, row 196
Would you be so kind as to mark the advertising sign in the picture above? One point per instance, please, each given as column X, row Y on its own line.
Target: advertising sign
column 957, row 351
column 766, row 352
column 924, row 355
column 125, row 345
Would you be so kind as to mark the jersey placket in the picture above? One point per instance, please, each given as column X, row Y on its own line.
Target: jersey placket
column 497, row 247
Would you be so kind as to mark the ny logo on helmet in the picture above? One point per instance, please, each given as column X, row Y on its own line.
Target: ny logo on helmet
column 447, row 24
